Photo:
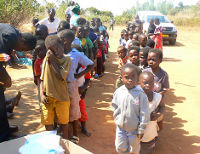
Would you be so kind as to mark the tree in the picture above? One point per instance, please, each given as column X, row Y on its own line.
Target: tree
column 180, row 4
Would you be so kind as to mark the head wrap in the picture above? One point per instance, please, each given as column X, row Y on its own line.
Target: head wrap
column 76, row 9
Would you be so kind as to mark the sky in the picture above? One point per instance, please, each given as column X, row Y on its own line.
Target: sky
column 116, row 6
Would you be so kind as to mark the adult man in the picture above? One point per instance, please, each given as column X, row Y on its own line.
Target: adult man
column 10, row 38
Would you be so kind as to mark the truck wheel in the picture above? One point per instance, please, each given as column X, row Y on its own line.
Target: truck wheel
column 172, row 42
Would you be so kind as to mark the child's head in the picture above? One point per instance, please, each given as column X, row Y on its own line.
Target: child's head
column 135, row 37
column 132, row 27
column 130, row 35
column 67, row 37
column 40, row 49
column 86, row 30
column 68, row 17
column 126, row 36
column 155, row 57
column 143, row 55
column 81, row 21
column 150, row 43
column 41, row 32
column 143, row 40
column 133, row 55
column 130, row 74
column 35, row 21
column 74, row 29
column 121, row 50
column 127, row 26
column 122, row 33
column 147, row 82
column 80, row 32
column 63, row 25
column 53, row 43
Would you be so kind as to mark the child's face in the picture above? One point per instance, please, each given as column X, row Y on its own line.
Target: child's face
column 68, row 16
column 121, row 52
column 58, row 51
column 153, row 60
column 133, row 56
column 143, row 59
column 147, row 83
column 41, row 51
column 126, row 36
column 122, row 35
column 135, row 38
column 130, row 36
column 129, row 78
column 80, row 33
column 143, row 41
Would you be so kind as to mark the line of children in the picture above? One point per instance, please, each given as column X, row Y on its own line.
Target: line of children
column 153, row 83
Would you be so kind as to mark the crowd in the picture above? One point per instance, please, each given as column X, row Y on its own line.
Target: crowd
column 138, row 100
column 67, row 54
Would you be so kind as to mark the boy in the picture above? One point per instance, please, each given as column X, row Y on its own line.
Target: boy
column 143, row 55
column 143, row 40
column 156, row 108
column 131, row 115
column 122, row 51
column 67, row 36
column 54, row 94
column 133, row 55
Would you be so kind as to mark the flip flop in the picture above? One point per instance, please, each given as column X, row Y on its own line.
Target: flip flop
column 75, row 139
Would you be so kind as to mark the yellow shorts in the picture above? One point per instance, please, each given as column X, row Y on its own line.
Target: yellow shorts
column 61, row 109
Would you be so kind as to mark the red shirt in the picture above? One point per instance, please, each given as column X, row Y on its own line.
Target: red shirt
column 37, row 68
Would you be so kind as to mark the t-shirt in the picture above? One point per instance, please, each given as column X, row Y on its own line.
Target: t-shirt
column 38, row 68
column 73, row 20
column 76, row 41
column 152, row 128
column 9, row 37
column 52, row 26
column 128, row 43
column 89, row 45
column 161, row 80
column 77, row 58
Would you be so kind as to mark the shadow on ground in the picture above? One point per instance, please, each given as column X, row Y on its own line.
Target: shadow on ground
column 173, row 138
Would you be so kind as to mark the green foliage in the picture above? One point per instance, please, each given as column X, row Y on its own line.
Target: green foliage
column 17, row 11
column 60, row 12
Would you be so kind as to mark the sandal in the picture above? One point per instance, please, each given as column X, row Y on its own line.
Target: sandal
column 75, row 139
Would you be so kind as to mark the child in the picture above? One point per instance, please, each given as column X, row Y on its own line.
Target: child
column 150, row 43
column 122, row 51
column 34, row 24
column 143, row 55
column 40, row 50
column 124, row 41
column 131, row 115
column 67, row 36
column 133, row 55
column 54, row 94
column 130, row 36
column 161, row 79
column 143, row 40
column 63, row 25
column 155, row 102
column 89, row 52
column 122, row 36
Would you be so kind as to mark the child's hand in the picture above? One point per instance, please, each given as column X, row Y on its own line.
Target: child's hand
column 50, row 56
column 44, row 100
column 155, row 116
column 140, row 136
column 59, row 76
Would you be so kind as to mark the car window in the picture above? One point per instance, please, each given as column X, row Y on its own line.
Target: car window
column 162, row 19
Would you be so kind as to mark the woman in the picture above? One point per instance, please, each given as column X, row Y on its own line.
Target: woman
column 158, row 35
column 76, row 11
column 51, row 22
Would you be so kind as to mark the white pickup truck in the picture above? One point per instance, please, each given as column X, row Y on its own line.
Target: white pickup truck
column 169, row 29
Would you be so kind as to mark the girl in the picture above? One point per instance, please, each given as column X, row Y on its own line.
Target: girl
column 158, row 35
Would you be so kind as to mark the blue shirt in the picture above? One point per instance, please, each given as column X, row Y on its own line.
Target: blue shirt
column 76, row 41
column 77, row 58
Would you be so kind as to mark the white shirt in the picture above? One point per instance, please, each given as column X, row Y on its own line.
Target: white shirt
column 52, row 26
column 152, row 128
column 76, row 41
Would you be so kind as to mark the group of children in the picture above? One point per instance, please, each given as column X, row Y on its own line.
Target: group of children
column 138, row 101
column 63, row 64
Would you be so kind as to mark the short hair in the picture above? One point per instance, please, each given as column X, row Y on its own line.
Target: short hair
column 67, row 33
column 63, row 25
column 29, row 40
column 35, row 20
column 157, row 19
column 136, row 43
column 147, row 73
column 81, row 21
column 123, row 31
column 150, row 43
column 51, row 9
column 41, row 43
column 136, row 48
column 145, row 51
column 51, row 41
column 128, row 65
column 141, row 36
column 122, row 48
column 40, row 28
column 158, row 52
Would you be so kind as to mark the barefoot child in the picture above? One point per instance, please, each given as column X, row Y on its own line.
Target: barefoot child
column 67, row 36
column 143, row 55
column 131, row 115
column 133, row 55
column 156, row 108
column 54, row 94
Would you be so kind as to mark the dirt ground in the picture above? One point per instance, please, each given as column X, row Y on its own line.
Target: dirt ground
column 181, row 133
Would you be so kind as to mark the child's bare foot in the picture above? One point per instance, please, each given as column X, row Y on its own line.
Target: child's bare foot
column 17, row 98
column 85, row 132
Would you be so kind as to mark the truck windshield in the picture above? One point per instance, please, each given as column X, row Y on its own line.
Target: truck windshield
column 162, row 19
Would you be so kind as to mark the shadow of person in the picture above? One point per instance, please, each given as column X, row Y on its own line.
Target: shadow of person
column 174, row 139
